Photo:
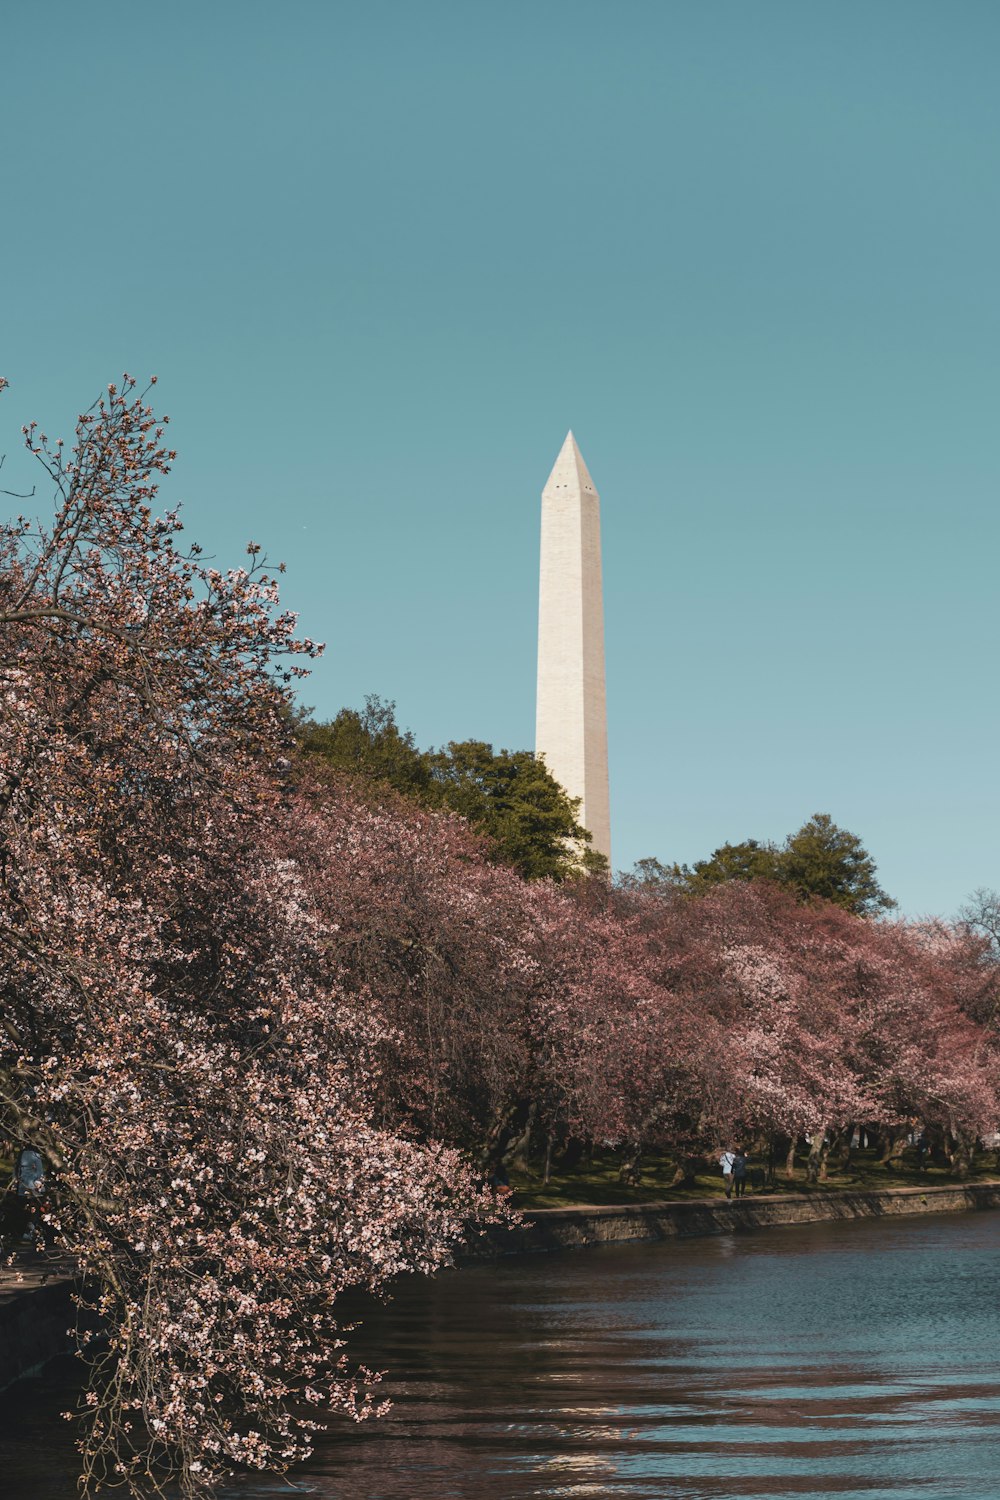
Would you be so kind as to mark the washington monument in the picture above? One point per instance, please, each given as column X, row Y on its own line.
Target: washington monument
column 571, row 729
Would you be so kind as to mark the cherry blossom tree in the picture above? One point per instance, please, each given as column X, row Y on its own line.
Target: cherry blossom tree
column 921, row 1040
column 171, row 1033
column 807, row 1020
column 429, row 937
column 513, row 1011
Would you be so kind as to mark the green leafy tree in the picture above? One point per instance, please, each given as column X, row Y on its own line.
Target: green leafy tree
column 651, row 878
column 747, row 861
column 826, row 861
column 371, row 745
column 511, row 797
column 820, row 861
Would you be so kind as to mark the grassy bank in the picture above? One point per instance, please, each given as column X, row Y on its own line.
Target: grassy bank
column 597, row 1182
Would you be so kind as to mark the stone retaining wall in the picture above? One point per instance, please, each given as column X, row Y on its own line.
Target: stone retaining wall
column 35, row 1315
column 572, row 1228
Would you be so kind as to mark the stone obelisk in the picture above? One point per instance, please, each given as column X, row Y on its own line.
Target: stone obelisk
column 571, row 730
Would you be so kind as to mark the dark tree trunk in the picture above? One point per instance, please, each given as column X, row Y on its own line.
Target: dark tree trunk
column 630, row 1166
column 790, row 1162
column 842, row 1149
column 818, row 1152
column 517, row 1151
column 510, row 1134
column 684, row 1171
column 893, row 1146
column 547, row 1172
column 960, row 1146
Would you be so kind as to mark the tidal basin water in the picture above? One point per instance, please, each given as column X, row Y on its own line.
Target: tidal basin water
column 851, row 1360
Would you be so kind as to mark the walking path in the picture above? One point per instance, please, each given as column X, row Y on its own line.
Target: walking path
column 31, row 1269
column 782, row 1192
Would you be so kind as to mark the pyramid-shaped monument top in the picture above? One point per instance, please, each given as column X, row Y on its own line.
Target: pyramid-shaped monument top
column 569, row 473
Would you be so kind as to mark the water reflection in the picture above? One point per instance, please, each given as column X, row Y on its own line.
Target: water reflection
column 852, row 1360
column 855, row 1360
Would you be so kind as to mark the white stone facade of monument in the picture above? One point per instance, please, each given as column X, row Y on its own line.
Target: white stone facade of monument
column 571, row 730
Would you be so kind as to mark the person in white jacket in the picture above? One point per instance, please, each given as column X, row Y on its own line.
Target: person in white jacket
column 726, row 1161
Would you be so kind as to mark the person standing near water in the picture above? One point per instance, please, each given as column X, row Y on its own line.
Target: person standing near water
column 726, row 1161
column 740, row 1172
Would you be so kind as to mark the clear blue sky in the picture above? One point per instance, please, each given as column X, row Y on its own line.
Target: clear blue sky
column 382, row 255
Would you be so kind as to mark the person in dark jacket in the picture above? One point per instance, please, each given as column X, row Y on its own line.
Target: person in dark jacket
column 29, row 1173
column 25, row 1206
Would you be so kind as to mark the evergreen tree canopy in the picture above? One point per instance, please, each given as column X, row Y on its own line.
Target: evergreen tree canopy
column 370, row 744
column 818, row 862
column 747, row 861
column 826, row 861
